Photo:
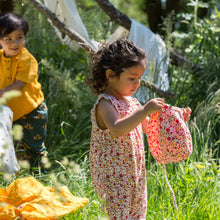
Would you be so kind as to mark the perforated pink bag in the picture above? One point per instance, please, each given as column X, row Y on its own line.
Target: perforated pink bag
column 169, row 138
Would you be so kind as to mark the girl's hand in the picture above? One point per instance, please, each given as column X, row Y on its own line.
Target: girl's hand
column 107, row 116
column 186, row 113
column 154, row 105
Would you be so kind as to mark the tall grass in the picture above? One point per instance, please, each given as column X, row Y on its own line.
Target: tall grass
column 196, row 183
column 69, row 102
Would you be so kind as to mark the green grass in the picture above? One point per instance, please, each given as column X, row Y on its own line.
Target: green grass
column 196, row 183
column 196, row 186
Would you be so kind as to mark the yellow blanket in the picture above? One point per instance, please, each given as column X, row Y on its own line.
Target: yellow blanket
column 28, row 199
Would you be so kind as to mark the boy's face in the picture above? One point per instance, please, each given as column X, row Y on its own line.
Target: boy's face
column 13, row 43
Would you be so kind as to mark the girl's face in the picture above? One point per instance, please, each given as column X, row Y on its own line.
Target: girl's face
column 128, row 82
column 13, row 43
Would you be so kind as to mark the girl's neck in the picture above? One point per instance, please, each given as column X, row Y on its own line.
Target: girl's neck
column 122, row 98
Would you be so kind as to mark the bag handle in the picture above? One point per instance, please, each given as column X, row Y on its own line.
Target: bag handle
column 167, row 181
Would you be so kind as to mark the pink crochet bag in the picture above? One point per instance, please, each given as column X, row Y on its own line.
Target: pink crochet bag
column 169, row 138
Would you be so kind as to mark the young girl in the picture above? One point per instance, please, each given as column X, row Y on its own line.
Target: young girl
column 117, row 159
column 19, row 71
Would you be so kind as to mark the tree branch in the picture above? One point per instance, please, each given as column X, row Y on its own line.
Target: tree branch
column 123, row 20
column 73, row 35
column 114, row 14
column 154, row 88
column 179, row 60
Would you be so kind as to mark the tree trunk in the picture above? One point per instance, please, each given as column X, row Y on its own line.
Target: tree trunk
column 156, row 12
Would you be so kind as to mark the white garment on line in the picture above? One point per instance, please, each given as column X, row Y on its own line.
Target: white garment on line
column 8, row 160
column 153, row 45
column 66, row 11
column 158, row 58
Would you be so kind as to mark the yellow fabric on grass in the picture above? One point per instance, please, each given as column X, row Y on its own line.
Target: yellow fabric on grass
column 28, row 198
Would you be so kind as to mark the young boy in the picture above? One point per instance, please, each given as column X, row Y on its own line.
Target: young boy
column 19, row 71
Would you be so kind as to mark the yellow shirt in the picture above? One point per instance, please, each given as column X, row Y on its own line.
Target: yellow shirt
column 23, row 67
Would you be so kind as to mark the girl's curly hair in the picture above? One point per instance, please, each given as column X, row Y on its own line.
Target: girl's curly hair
column 117, row 56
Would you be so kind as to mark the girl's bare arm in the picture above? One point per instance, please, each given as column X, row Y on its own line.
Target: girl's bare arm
column 108, row 117
column 145, row 124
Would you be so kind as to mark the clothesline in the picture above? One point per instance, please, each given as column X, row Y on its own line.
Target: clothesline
column 156, row 71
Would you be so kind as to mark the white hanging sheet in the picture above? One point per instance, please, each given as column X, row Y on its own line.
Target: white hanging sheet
column 66, row 11
column 158, row 58
column 154, row 46
column 8, row 160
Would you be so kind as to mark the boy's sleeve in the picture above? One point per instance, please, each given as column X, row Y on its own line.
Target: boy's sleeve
column 27, row 70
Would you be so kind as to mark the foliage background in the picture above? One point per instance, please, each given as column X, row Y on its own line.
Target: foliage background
column 62, row 73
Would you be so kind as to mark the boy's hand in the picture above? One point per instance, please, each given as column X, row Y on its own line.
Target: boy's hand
column 1, row 92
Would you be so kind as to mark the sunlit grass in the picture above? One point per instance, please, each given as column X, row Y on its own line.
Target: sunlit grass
column 196, row 185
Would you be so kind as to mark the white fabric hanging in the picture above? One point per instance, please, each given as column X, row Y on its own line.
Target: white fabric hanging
column 154, row 46
column 8, row 160
column 66, row 11
column 158, row 58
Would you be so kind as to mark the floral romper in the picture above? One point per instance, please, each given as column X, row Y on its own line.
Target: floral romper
column 117, row 165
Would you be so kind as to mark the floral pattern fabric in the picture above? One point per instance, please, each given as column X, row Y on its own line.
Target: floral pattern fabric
column 168, row 136
column 117, row 165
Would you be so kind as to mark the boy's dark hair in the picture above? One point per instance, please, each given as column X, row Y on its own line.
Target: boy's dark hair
column 10, row 21
column 117, row 56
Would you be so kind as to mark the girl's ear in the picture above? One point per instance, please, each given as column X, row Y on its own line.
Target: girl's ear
column 109, row 74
